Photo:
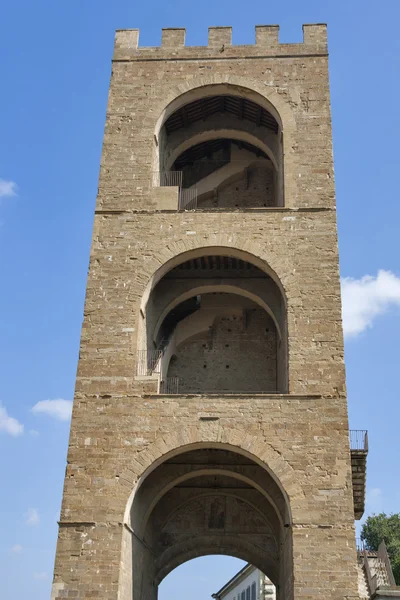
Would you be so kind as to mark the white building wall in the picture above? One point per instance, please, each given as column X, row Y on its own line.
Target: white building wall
column 269, row 588
column 236, row 592
column 264, row 588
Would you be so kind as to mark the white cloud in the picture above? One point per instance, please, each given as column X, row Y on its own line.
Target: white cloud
column 366, row 298
column 9, row 424
column 16, row 549
column 40, row 576
column 7, row 188
column 59, row 409
column 32, row 517
column 34, row 433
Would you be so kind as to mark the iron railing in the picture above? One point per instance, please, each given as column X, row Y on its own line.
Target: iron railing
column 187, row 199
column 358, row 439
column 360, row 545
column 170, row 385
column 167, row 178
column 148, row 362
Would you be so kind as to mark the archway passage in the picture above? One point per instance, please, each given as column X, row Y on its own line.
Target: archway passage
column 224, row 151
column 202, row 501
column 216, row 324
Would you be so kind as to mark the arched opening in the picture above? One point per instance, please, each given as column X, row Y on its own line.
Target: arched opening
column 222, row 146
column 215, row 322
column 218, row 577
column 206, row 500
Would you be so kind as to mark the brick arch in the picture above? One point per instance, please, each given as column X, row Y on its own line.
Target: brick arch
column 212, row 435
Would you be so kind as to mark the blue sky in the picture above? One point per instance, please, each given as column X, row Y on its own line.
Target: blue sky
column 54, row 83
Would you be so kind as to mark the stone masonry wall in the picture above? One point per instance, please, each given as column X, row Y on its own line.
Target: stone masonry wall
column 299, row 246
column 114, row 439
column 237, row 355
column 255, row 188
column 144, row 80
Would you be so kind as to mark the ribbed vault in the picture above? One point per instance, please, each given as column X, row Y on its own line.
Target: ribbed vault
column 200, row 110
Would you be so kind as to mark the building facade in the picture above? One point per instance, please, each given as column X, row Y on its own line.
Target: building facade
column 210, row 411
column 248, row 584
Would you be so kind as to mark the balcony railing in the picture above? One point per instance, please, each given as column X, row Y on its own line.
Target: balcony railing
column 148, row 362
column 358, row 440
column 167, row 178
column 170, row 386
column 187, row 198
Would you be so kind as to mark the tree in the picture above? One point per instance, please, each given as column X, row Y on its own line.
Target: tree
column 384, row 527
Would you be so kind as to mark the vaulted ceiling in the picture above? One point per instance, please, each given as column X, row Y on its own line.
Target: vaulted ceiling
column 206, row 107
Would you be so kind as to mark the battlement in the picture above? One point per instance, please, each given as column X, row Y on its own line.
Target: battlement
column 220, row 44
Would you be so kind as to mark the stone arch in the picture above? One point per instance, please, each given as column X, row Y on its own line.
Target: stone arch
column 222, row 243
column 205, row 547
column 204, row 289
column 258, row 91
column 205, row 136
column 254, row 90
column 208, row 435
column 161, row 542
column 184, row 478
column 187, row 249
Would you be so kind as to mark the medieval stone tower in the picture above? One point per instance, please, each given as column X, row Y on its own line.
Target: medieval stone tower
column 210, row 413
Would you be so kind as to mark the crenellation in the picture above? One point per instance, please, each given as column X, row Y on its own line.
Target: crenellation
column 267, row 35
column 220, row 44
column 126, row 39
column 173, row 37
column 218, row 37
column 315, row 35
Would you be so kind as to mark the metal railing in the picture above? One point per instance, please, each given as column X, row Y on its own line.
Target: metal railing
column 358, row 439
column 148, row 362
column 170, row 386
column 167, row 178
column 360, row 545
column 187, row 199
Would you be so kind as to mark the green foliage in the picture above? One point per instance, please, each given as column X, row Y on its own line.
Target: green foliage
column 384, row 527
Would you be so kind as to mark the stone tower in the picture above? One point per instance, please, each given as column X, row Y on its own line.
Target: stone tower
column 210, row 413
